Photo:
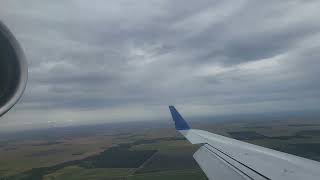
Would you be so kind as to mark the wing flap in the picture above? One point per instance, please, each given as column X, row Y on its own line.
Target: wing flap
column 268, row 163
column 215, row 167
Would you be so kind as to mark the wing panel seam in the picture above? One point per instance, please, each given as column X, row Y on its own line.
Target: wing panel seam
column 238, row 161
column 224, row 160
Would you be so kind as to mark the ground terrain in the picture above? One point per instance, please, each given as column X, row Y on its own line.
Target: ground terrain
column 138, row 151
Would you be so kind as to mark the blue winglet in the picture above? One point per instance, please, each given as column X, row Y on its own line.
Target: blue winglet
column 180, row 123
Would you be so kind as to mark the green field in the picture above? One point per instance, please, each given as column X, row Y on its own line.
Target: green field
column 139, row 153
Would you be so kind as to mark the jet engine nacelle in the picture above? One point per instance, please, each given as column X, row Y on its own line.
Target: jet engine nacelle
column 13, row 70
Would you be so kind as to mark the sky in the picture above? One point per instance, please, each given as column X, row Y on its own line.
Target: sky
column 122, row 60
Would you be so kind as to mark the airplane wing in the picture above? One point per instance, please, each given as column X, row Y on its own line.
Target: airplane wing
column 223, row 158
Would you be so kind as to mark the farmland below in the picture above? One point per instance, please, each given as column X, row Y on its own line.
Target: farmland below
column 139, row 151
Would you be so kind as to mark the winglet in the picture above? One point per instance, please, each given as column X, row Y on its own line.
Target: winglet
column 180, row 123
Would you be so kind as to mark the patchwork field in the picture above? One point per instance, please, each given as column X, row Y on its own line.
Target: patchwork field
column 140, row 152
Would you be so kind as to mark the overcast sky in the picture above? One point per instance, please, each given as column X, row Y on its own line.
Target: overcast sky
column 123, row 60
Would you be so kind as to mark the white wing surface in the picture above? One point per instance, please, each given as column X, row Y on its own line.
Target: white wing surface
column 223, row 158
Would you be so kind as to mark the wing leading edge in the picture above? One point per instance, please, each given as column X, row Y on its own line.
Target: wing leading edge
column 224, row 158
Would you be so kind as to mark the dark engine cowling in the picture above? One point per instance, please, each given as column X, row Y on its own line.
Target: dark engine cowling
column 13, row 70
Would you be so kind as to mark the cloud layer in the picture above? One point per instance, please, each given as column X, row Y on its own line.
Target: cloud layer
column 119, row 60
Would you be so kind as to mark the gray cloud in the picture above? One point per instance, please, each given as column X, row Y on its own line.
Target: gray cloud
column 106, row 61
